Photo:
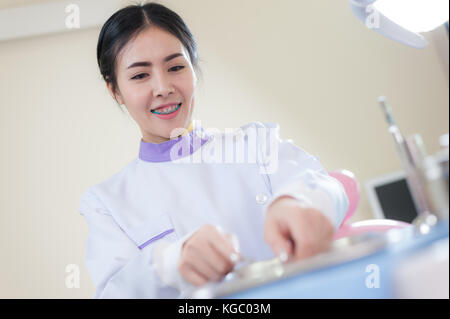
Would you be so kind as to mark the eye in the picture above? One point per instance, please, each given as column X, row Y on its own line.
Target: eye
column 139, row 76
column 178, row 67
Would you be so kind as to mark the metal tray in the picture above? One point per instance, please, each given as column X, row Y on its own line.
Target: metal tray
column 263, row 272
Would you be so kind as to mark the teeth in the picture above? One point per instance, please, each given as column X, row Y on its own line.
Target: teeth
column 168, row 109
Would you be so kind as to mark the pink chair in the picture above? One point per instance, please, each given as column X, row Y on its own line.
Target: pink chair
column 351, row 186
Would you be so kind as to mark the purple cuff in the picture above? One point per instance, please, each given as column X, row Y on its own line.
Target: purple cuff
column 167, row 232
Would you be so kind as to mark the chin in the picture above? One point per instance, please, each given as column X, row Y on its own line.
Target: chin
column 178, row 129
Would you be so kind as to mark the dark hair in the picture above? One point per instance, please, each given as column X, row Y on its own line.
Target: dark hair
column 127, row 23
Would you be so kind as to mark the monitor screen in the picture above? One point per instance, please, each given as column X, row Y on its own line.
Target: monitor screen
column 390, row 197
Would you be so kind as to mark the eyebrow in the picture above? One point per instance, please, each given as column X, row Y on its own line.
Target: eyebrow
column 146, row 63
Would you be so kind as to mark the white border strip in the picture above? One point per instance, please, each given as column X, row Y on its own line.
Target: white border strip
column 50, row 17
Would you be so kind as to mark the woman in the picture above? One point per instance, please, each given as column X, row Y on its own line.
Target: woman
column 166, row 224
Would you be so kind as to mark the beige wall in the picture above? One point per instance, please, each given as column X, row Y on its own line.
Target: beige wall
column 308, row 65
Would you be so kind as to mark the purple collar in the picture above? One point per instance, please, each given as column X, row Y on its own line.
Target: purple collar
column 179, row 147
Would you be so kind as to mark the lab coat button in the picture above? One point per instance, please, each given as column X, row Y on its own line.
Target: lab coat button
column 261, row 198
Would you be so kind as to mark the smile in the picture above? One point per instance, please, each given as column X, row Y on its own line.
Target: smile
column 169, row 110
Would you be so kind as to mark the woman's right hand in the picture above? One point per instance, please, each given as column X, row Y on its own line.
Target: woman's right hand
column 208, row 255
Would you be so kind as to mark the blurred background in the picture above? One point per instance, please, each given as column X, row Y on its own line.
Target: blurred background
column 310, row 66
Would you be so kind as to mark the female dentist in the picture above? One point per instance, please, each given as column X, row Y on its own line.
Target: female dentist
column 164, row 225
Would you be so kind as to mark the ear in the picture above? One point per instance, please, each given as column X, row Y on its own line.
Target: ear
column 115, row 96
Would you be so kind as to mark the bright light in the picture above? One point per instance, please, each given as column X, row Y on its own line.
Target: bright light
column 415, row 15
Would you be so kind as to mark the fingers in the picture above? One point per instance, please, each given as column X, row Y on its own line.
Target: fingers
column 216, row 258
column 304, row 247
column 194, row 277
column 209, row 265
column 206, row 256
column 230, row 248
column 313, row 235
column 300, row 232
column 279, row 239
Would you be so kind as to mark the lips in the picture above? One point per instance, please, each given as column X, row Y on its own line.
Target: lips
column 164, row 105
column 167, row 116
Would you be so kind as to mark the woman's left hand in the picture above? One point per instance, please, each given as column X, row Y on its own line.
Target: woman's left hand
column 298, row 231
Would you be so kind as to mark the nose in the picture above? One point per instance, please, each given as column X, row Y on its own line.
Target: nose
column 162, row 85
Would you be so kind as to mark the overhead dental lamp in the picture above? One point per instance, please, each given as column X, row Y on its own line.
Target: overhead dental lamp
column 402, row 20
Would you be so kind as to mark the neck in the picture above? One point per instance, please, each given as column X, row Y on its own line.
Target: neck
column 189, row 129
column 160, row 139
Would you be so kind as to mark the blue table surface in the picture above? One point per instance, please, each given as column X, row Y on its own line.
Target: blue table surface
column 348, row 280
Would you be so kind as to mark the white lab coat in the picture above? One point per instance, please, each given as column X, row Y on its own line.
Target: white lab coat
column 139, row 218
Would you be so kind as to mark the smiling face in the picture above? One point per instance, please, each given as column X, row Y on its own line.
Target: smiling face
column 152, row 70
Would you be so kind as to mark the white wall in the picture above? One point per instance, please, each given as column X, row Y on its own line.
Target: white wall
column 308, row 65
